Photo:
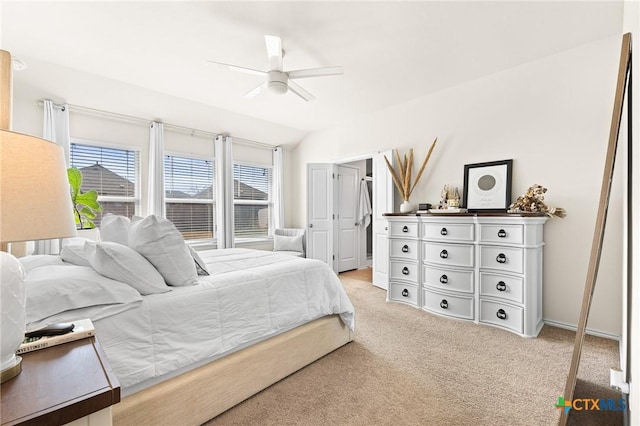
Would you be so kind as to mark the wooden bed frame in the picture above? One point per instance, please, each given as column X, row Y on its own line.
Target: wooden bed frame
column 201, row 394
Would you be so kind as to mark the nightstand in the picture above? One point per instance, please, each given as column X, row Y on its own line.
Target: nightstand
column 71, row 382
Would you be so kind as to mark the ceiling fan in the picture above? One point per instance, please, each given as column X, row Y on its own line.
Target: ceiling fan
column 277, row 80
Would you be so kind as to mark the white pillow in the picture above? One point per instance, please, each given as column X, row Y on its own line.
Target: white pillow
column 38, row 260
column 115, row 229
column 55, row 289
column 201, row 267
column 158, row 240
column 285, row 243
column 73, row 251
column 124, row 264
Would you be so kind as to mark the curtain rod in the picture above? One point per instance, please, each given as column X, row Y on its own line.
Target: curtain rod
column 168, row 126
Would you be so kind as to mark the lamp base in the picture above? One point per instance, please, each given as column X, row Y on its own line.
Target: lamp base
column 12, row 371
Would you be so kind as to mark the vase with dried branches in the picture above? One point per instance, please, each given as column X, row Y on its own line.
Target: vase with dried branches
column 402, row 178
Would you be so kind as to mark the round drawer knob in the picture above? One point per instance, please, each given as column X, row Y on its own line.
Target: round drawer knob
column 502, row 233
column 444, row 279
column 405, row 293
column 405, row 229
column 444, row 231
column 501, row 286
column 501, row 258
column 405, row 248
column 444, row 254
column 405, row 271
column 444, row 304
column 501, row 314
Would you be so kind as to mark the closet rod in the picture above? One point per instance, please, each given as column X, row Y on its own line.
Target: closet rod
column 169, row 126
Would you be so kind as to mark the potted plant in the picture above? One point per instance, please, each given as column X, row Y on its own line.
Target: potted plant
column 85, row 204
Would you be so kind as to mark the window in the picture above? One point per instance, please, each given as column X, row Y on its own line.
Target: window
column 113, row 173
column 252, row 200
column 189, row 195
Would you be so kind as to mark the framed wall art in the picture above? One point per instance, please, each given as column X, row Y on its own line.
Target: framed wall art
column 487, row 186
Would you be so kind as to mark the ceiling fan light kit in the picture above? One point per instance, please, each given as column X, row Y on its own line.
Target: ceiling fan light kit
column 277, row 80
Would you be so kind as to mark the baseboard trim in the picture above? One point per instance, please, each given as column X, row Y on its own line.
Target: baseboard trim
column 589, row 331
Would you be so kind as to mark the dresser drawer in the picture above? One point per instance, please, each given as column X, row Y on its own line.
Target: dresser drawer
column 403, row 249
column 448, row 254
column 448, row 279
column 400, row 292
column 403, row 229
column 501, row 286
column 502, row 315
column 404, row 270
column 509, row 234
column 502, row 258
column 445, row 304
column 448, row 231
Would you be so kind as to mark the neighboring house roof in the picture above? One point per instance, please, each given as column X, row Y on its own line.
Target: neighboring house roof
column 241, row 191
column 105, row 181
column 172, row 193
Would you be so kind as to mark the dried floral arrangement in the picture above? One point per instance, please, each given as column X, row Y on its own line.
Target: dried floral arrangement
column 533, row 201
column 402, row 178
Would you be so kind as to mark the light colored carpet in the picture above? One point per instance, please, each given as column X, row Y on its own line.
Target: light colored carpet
column 409, row 367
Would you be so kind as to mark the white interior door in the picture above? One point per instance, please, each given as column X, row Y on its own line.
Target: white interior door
column 346, row 212
column 382, row 203
column 320, row 193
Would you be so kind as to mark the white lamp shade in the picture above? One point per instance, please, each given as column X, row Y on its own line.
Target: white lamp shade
column 35, row 201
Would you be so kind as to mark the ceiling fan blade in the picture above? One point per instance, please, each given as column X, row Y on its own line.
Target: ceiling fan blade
column 274, row 52
column 239, row 69
column 295, row 88
column 315, row 72
column 256, row 91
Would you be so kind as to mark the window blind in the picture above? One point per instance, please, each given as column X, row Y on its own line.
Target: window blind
column 252, row 188
column 112, row 172
column 189, row 195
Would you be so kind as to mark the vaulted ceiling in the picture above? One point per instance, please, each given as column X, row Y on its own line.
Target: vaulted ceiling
column 391, row 51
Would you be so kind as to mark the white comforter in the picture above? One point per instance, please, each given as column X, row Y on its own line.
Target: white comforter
column 249, row 296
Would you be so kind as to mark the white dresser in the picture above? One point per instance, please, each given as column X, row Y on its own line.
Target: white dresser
column 482, row 268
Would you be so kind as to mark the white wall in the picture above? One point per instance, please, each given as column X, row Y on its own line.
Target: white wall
column 552, row 117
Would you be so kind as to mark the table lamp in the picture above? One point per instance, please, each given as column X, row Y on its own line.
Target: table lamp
column 35, row 204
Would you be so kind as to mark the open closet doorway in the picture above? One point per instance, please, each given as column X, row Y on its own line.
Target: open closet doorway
column 340, row 232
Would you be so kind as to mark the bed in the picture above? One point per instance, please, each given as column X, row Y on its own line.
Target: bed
column 185, row 353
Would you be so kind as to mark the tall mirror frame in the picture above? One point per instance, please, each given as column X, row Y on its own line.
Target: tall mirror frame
column 623, row 81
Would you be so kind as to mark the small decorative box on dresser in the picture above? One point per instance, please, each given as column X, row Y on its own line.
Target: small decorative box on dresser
column 486, row 268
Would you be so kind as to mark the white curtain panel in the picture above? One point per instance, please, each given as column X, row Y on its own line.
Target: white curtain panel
column 155, row 200
column 56, row 126
column 55, row 129
column 278, row 191
column 224, row 191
